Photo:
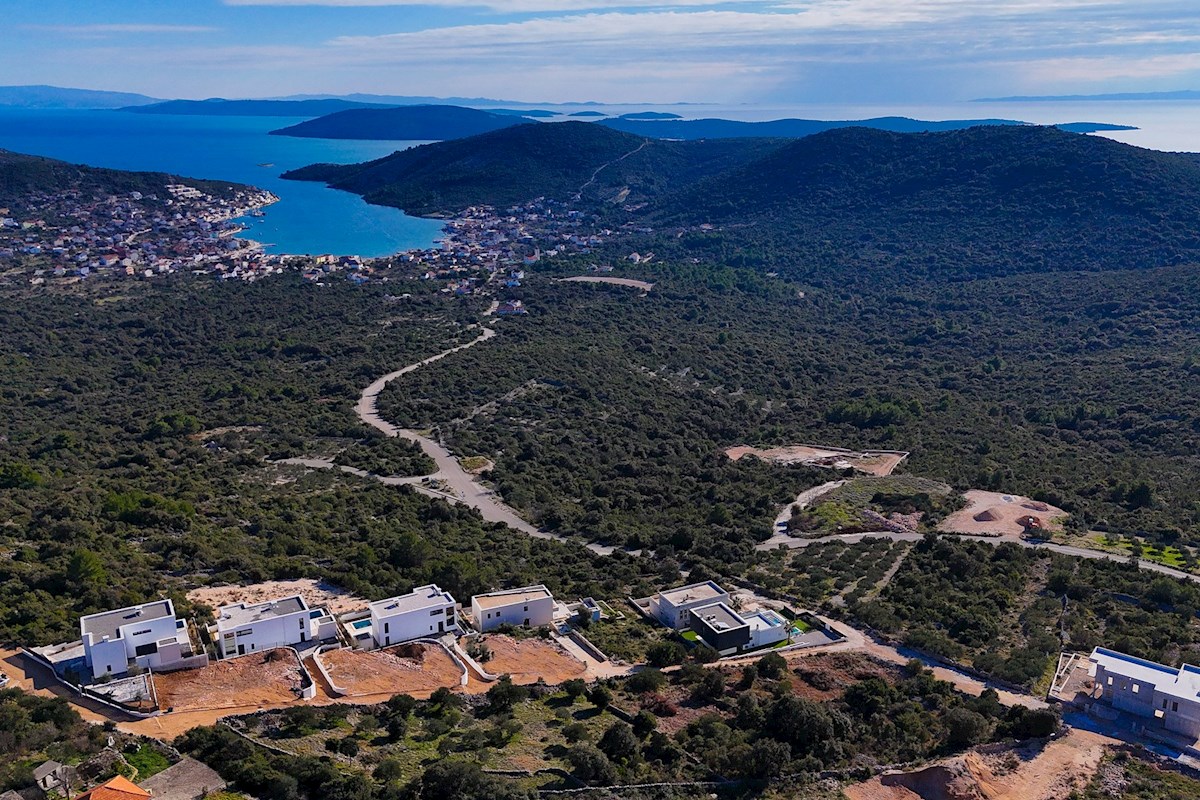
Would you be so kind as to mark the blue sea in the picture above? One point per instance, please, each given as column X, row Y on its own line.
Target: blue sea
column 309, row 218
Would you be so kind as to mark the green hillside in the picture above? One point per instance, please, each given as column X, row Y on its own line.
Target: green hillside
column 404, row 123
column 21, row 174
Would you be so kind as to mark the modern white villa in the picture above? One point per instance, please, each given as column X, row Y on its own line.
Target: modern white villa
column 728, row 631
column 148, row 636
column 531, row 606
column 673, row 607
column 426, row 611
column 1149, row 689
column 242, row 629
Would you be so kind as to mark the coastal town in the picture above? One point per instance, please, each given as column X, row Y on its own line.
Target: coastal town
column 57, row 239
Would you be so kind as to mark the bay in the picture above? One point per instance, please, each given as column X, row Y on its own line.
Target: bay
column 309, row 218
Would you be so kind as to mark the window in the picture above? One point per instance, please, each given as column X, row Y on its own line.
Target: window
column 1110, row 680
column 387, row 627
column 145, row 649
column 1174, row 706
column 245, row 632
column 140, row 633
column 229, row 635
column 1135, row 688
column 1164, row 702
column 301, row 623
column 437, row 611
column 526, row 608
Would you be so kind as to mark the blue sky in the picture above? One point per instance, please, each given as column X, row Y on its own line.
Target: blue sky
column 788, row 51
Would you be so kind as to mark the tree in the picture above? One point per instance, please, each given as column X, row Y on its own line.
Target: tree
column 401, row 705
column 768, row 758
column 589, row 764
column 454, row 779
column 599, row 696
column 575, row 688
column 772, row 666
column 711, row 686
column 575, row 732
column 965, row 728
column 619, row 743
column 666, row 654
column 646, row 680
column 644, row 724
column 703, row 654
column 504, row 694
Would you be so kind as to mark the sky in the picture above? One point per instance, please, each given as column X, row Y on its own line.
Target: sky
column 614, row 51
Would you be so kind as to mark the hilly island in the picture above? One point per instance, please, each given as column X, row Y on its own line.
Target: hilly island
column 902, row 416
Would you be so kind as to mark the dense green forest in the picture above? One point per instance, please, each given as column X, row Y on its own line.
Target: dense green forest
column 22, row 174
column 762, row 727
column 1010, row 610
column 34, row 729
column 135, row 445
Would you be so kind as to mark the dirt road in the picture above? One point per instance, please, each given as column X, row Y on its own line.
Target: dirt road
column 630, row 282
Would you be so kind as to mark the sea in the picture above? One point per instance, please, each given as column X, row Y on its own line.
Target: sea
column 311, row 218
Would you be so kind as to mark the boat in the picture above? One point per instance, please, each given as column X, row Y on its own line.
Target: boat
column 267, row 164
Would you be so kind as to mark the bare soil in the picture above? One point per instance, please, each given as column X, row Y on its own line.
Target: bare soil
column 315, row 593
column 872, row 463
column 1063, row 766
column 992, row 513
column 417, row 669
column 527, row 660
column 261, row 679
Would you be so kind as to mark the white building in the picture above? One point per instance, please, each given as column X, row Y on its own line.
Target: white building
column 1149, row 689
column 673, row 607
column 766, row 628
column 147, row 635
column 531, row 606
column 242, row 629
column 425, row 611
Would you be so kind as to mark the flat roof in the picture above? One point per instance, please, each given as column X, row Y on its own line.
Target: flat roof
column 1183, row 683
column 238, row 614
column 765, row 620
column 422, row 597
column 706, row 590
column 510, row 597
column 108, row 623
column 719, row 617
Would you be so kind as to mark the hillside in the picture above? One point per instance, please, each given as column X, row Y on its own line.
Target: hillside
column 497, row 168
column 219, row 107
column 21, row 174
column 667, row 127
column 60, row 97
column 988, row 200
column 403, row 123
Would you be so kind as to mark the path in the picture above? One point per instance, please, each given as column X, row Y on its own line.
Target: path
column 630, row 282
column 803, row 500
column 449, row 481
column 793, row 543
column 604, row 166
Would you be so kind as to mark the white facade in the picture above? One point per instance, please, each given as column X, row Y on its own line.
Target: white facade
column 766, row 628
column 673, row 607
column 1149, row 689
column 242, row 629
column 147, row 635
column 426, row 611
column 530, row 606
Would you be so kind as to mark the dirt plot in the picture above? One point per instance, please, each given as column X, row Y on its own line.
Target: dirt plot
column 527, row 660
column 879, row 464
column 414, row 669
column 1002, row 515
column 1025, row 773
column 315, row 593
column 254, row 680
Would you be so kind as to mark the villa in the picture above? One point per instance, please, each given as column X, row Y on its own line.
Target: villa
column 1148, row 689
column 148, row 636
column 425, row 611
column 727, row 631
column 241, row 629
column 531, row 606
column 673, row 607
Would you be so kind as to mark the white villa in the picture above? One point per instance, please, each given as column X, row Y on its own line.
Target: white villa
column 425, row 611
column 241, row 629
column 531, row 606
column 1149, row 689
column 148, row 635
column 673, row 607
